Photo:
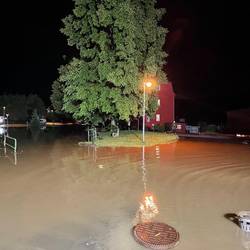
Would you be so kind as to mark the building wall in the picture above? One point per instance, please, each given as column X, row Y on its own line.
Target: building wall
column 166, row 108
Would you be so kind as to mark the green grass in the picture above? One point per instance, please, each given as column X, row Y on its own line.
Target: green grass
column 134, row 139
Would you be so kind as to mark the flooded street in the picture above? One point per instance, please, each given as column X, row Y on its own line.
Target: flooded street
column 62, row 196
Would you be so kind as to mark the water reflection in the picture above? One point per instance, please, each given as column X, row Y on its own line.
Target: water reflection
column 35, row 133
column 11, row 155
column 244, row 238
column 143, row 166
column 157, row 152
column 148, row 208
column 98, row 191
column 7, row 152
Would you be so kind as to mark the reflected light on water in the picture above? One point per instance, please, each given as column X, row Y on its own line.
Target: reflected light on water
column 62, row 196
column 148, row 208
column 157, row 152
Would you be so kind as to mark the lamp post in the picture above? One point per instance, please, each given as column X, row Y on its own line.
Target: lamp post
column 4, row 110
column 147, row 84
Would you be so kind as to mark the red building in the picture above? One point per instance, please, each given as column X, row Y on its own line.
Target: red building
column 165, row 113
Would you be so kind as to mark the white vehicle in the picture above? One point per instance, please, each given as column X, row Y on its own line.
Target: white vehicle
column 193, row 129
column 3, row 128
column 43, row 121
column 2, row 120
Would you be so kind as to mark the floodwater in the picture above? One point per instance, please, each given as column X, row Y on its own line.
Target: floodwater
column 62, row 196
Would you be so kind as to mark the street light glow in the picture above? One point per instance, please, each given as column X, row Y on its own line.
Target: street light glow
column 148, row 84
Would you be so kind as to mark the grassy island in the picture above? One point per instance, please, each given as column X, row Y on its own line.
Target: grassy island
column 134, row 139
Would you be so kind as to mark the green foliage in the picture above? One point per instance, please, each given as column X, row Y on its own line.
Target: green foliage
column 134, row 139
column 159, row 128
column 211, row 128
column 57, row 96
column 35, row 121
column 35, row 133
column 152, row 105
column 166, row 127
column 120, row 43
column 20, row 107
column 15, row 106
column 34, row 102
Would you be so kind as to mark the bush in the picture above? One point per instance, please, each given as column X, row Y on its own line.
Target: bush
column 35, row 121
column 160, row 128
column 168, row 127
column 211, row 128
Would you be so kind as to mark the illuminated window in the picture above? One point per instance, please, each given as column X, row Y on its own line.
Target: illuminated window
column 158, row 118
column 159, row 102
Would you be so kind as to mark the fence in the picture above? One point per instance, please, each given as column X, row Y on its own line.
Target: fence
column 92, row 135
column 10, row 142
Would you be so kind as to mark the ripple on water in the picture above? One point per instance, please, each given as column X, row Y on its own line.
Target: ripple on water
column 195, row 184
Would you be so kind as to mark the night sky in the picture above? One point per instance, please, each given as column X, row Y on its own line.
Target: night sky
column 207, row 46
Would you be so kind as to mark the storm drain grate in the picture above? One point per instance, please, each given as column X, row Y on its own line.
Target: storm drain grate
column 156, row 235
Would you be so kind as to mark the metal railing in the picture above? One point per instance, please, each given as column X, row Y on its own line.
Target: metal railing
column 10, row 142
column 92, row 135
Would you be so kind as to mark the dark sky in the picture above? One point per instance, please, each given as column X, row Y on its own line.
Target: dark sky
column 207, row 46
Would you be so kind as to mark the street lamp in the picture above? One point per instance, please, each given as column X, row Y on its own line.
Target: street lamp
column 147, row 84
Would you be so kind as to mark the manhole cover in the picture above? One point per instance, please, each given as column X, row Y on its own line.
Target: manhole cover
column 156, row 235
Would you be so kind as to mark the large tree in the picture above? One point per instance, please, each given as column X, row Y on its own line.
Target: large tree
column 15, row 106
column 34, row 102
column 120, row 43
column 21, row 107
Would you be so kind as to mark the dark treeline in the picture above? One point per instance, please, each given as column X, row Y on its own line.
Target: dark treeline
column 20, row 107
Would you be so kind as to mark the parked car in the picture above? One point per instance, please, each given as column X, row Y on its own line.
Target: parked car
column 193, row 129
